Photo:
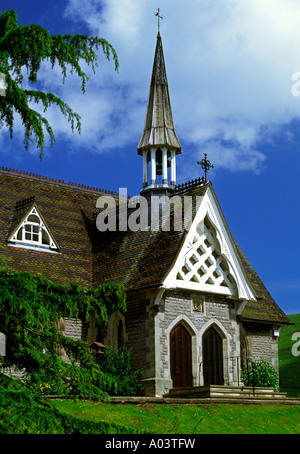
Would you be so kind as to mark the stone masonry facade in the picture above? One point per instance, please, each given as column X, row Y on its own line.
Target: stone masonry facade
column 152, row 315
column 150, row 320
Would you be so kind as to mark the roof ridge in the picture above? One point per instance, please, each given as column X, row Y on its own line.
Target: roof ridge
column 61, row 182
column 198, row 182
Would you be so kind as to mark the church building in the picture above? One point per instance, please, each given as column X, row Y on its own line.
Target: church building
column 196, row 309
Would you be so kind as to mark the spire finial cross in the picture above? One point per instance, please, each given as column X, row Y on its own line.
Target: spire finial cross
column 206, row 165
column 158, row 17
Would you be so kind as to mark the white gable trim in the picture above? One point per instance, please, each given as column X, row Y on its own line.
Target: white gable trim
column 231, row 281
column 33, row 233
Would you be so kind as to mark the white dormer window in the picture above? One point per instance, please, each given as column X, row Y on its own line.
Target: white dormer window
column 33, row 233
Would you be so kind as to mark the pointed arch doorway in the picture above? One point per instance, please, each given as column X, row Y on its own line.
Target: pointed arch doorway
column 212, row 358
column 181, row 357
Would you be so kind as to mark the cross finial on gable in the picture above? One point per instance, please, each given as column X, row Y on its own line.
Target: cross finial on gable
column 158, row 17
column 206, row 165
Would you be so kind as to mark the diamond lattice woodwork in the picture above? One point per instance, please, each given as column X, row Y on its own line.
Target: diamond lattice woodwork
column 204, row 263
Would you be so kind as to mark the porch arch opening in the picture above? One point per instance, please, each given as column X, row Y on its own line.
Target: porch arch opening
column 212, row 350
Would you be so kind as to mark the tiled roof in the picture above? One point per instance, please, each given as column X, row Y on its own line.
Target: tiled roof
column 89, row 257
column 264, row 308
column 138, row 259
column 67, row 210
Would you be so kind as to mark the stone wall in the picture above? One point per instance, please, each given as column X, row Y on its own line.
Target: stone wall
column 150, row 320
column 261, row 343
column 197, row 313
column 152, row 315
column 137, row 331
column 75, row 328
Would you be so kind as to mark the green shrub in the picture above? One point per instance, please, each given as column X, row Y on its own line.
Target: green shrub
column 23, row 411
column 31, row 309
column 115, row 362
column 260, row 374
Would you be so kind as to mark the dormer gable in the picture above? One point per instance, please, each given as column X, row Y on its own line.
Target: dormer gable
column 29, row 229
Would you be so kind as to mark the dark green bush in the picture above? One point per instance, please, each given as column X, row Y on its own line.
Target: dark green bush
column 24, row 412
column 115, row 362
column 260, row 374
column 31, row 308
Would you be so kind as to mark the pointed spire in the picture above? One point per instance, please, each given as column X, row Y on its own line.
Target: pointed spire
column 159, row 73
column 159, row 128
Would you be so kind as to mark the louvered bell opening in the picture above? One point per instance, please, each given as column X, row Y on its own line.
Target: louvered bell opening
column 159, row 162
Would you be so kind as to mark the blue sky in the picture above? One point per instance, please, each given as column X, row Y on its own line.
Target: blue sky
column 230, row 67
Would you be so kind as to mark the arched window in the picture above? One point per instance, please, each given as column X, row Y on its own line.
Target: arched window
column 116, row 331
column 120, row 334
column 31, row 229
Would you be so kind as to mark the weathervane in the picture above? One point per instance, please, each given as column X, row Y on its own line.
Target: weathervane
column 158, row 17
column 206, row 165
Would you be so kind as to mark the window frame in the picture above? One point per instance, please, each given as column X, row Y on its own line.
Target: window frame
column 33, row 234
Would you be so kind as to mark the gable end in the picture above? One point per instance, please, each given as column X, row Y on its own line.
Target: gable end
column 208, row 261
column 29, row 229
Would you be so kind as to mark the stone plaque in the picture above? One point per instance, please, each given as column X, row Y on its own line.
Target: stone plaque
column 198, row 304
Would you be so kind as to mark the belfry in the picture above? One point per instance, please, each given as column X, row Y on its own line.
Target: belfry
column 159, row 144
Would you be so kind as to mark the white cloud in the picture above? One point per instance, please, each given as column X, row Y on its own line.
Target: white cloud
column 229, row 67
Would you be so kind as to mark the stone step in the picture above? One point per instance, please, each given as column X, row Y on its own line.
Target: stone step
column 237, row 392
column 200, row 401
column 253, row 396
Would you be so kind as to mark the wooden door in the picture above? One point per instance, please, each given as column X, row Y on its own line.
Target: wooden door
column 212, row 358
column 181, row 364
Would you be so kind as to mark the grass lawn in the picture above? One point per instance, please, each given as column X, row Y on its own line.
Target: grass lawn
column 190, row 419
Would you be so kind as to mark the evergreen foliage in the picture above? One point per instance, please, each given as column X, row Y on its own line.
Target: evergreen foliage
column 30, row 308
column 23, row 412
column 260, row 374
column 115, row 362
column 26, row 47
